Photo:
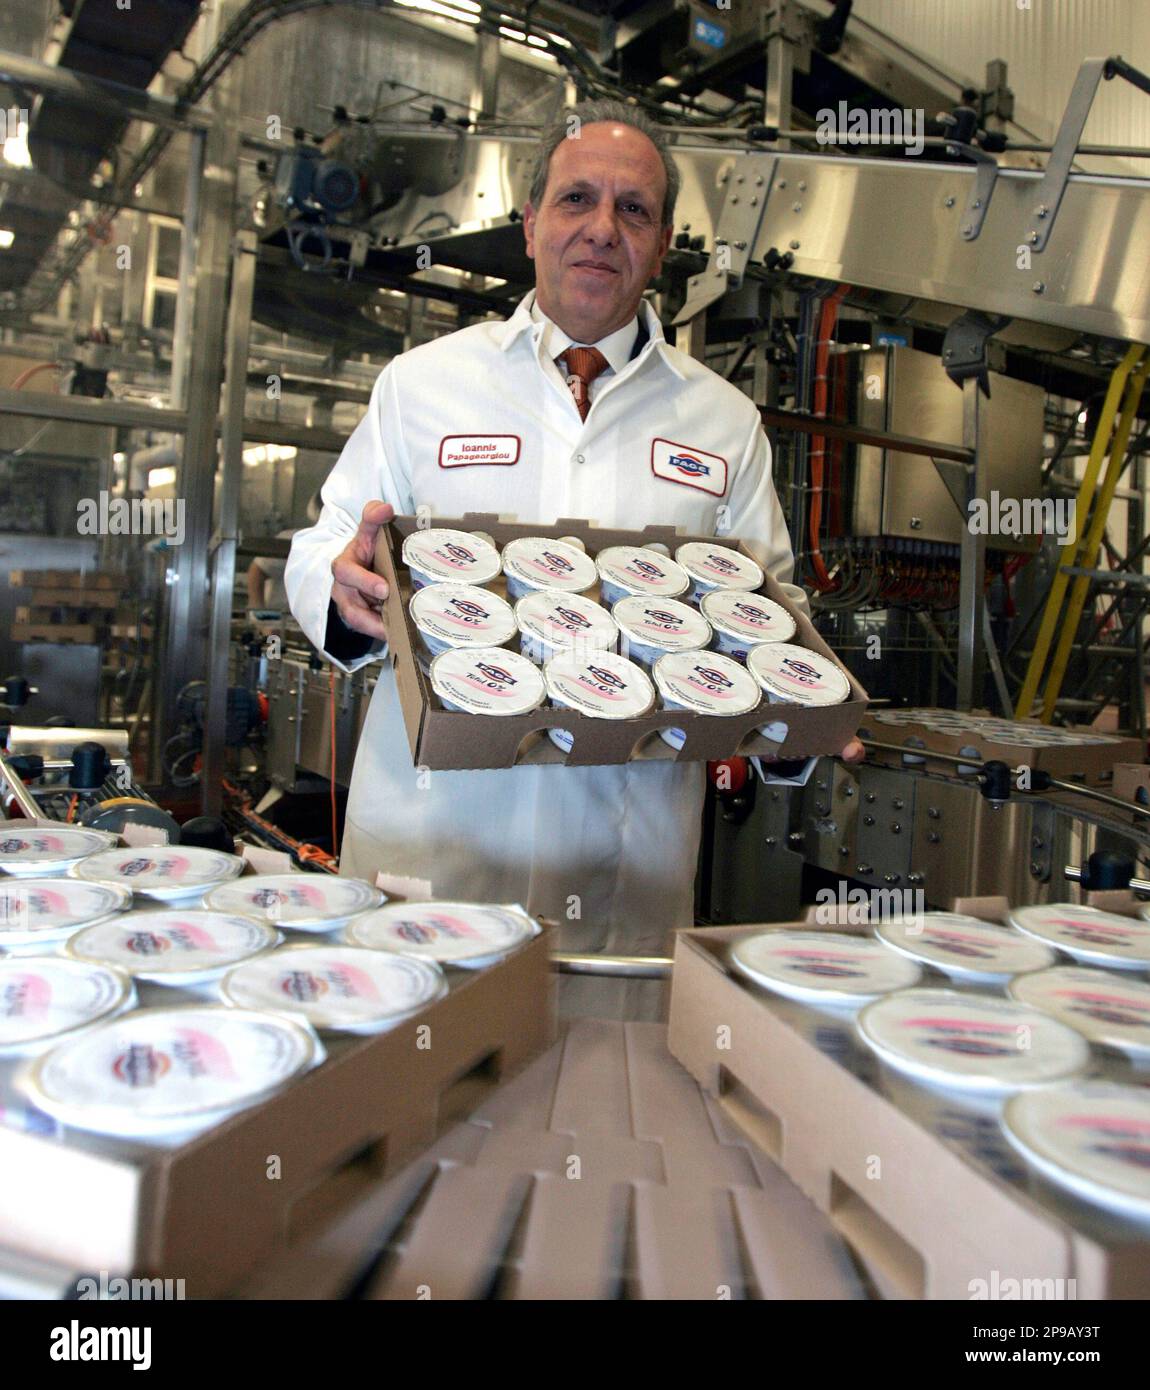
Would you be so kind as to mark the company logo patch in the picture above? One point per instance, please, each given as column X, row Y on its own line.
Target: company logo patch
column 466, row 450
column 680, row 463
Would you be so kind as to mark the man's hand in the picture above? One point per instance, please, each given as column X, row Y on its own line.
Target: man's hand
column 854, row 752
column 357, row 591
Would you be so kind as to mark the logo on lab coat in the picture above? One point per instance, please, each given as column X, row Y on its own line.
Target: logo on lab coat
column 688, row 466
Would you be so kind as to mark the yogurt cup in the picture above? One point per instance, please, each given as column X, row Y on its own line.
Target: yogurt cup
column 303, row 902
column 35, row 850
column 714, row 566
column 792, row 675
column 442, row 556
column 533, row 562
column 550, row 623
column 450, row 617
column 823, row 968
column 973, row 1043
column 487, row 680
column 337, row 989
column 602, row 686
column 965, row 948
column 1088, row 934
column 468, row 935
column 39, row 914
column 703, row 682
column 1109, row 1010
column 1090, row 1137
column 158, row 1072
column 168, row 872
column 741, row 621
column 650, row 628
column 627, row 571
column 45, row 998
column 171, row 947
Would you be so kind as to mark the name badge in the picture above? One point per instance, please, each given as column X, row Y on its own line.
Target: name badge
column 679, row 463
column 466, row 450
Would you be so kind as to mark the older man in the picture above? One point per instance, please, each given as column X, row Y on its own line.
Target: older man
column 581, row 405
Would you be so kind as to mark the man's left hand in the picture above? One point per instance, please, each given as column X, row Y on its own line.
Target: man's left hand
column 854, row 752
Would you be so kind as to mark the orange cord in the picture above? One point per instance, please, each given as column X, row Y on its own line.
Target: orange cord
column 334, row 818
column 827, row 317
column 72, row 806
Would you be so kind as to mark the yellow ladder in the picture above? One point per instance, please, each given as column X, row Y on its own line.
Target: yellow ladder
column 1080, row 551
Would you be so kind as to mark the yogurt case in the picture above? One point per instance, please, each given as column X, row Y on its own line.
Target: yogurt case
column 627, row 571
column 704, row 683
column 458, row 616
column 650, row 628
column 467, row 935
column 45, row 999
column 714, row 566
column 48, row 849
column 741, row 621
column 442, row 556
column 965, row 948
column 488, row 680
column 39, row 914
column 168, row 872
column 789, row 674
column 533, row 562
column 172, row 947
column 1088, row 934
column 550, row 623
column 602, row 686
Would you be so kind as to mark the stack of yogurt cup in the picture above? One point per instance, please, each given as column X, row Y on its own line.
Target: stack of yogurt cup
column 1027, row 1045
column 685, row 633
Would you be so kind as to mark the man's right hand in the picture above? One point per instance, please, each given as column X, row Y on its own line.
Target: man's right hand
column 357, row 591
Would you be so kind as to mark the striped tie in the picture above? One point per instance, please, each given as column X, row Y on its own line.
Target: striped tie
column 583, row 365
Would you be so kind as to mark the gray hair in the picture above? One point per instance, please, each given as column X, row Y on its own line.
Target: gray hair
column 613, row 112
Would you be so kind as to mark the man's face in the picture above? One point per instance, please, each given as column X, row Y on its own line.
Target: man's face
column 597, row 236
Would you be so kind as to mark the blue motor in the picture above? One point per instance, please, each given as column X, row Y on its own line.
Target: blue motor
column 306, row 179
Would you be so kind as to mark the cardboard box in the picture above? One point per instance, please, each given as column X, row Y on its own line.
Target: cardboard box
column 67, row 579
column 926, row 1221
column 1089, row 763
column 207, row 1211
column 446, row 739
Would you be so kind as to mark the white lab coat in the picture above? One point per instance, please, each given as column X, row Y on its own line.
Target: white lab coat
column 610, row 852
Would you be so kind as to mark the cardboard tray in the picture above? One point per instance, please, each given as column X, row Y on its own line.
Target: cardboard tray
column 443, row 739
column 208, row 1211
column 1092, row 764
column 933, row 1221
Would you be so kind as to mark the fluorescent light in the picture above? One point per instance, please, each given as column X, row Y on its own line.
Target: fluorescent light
column 1081, row 417
column 511, row 33
column 7, row 237
column 161, row 477
column 445, row 11
column 268, row 453
column 15, row 147
column 536, row 40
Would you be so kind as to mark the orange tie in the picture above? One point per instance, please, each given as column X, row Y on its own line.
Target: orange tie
column 583, row 365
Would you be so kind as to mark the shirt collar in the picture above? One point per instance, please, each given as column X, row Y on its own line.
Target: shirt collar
column 615, row 347
column 523, row 320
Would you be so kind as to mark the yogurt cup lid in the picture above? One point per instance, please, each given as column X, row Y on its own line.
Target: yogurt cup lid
column 168, row 944
column 963, row 946
column 662, row 622
column 822, row 967
column 797, row 674
column 43, row 997
column 462, row 614
column 602, row 685
column 1110, row 1010
column 565, row 621
column 450, row 933
column 160, row 871
column 972, row 1042
column 706, row 682
column 1087, row 933
column 549, row 564
column 720, row 565
column 487, row 680
column 751, row 617
column 299, row 900
column 159, row 1070
column 42, row 909
column 642, row 571
column 32, row 851
column 335, row 987
column 1090, row 1136
column 444, row 555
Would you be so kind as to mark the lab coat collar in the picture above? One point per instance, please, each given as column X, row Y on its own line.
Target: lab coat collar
column 521, row 322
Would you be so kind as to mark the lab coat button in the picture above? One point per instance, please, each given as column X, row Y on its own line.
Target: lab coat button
column 579, row 458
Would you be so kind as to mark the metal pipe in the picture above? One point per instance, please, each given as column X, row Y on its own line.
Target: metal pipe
column 1136, row 885
column 615, row 967
column 20, row 793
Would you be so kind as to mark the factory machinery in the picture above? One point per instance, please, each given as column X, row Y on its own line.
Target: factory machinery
column 913, row 310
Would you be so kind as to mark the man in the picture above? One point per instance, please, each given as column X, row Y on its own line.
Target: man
column 609, row 852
